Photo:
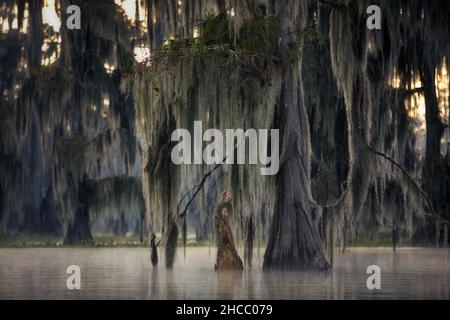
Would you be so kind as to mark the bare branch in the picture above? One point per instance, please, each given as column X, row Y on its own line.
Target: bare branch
column 412, row 181
column 197, row 189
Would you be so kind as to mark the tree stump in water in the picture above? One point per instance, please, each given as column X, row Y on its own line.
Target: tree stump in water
column 227, row 256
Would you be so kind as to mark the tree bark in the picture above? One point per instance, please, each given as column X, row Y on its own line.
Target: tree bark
column 294, row 241
column 79, row 230
column 445, row 244
column 435, row 170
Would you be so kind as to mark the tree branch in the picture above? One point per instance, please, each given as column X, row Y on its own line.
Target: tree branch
column 411, row 180
column 197, row 189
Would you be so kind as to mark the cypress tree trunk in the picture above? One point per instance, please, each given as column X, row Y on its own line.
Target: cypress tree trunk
column 294, row 241
column 435, row 128
column 79, row 230
column 434, row 166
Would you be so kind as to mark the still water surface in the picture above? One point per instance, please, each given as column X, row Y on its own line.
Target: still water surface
column 125, row 273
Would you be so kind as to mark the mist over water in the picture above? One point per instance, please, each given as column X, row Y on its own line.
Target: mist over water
column 126, row 273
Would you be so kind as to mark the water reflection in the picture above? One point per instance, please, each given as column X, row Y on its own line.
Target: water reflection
column 124, row 273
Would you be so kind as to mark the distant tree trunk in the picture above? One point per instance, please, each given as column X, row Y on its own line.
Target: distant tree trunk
column 250, row 233
column 1, row 202
column 434, row 171
column 221, row 6
column 437, row 233
column 171, row 241
column 435, row 128
column 445, row 244
column 141, row 226
column 79, row 230
column 35, row 31
column 294, row 241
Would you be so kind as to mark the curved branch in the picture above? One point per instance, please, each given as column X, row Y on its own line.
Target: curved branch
column 411, row 180
column 197, row 189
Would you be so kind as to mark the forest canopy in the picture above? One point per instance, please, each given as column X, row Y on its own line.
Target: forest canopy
column 86, row 118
